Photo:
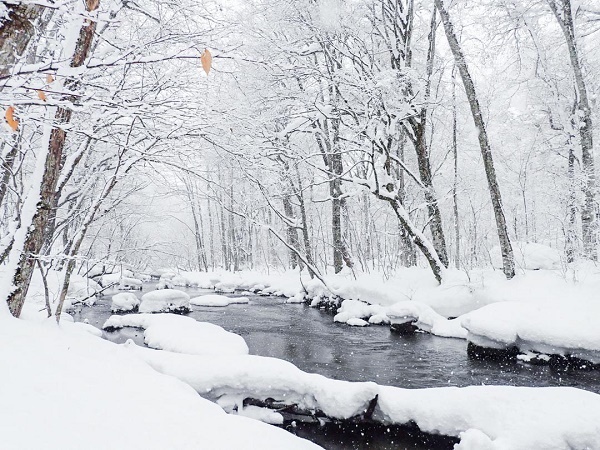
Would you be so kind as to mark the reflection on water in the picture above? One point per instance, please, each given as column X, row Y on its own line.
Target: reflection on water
column 308, row 338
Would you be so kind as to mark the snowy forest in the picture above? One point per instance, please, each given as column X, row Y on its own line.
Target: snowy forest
column 298, row 224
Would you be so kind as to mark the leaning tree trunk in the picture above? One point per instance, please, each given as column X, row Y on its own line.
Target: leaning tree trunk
column 34, row 239
column 584, row 124
column 486, row 151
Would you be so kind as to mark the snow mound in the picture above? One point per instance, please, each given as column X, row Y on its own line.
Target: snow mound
column 165, row 300
column 556, row 328
column 130, row 284
column 229, row 379
column 425, row 318
column 125, row 301
column 529, row 255
column 86, row 379
column 499, row 417
column 354, row 309
column 217, row 300
column 181, row 334
column 356, row 322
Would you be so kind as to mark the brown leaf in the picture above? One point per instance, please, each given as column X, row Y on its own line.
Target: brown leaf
column 206, row 59
column 41, row 95
column 10, row 118
column 49, row 78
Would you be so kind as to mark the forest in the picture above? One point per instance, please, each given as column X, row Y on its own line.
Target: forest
column 417, row 169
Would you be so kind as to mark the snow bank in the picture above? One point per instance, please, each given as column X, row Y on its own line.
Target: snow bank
column 229, row 379
column 61, row 385
column 127, row 284
column 165, row 300
column 484, row 417
column 125, row 301
column 562, row 329
column 499, row 417
column 529, row 255
column 181, row 334
column 217, row 300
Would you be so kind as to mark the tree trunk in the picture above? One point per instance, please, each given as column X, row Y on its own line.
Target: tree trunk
column 15, row 33
column 486, row 150
column 455, row 183
column 583, row 122
column 34, row 238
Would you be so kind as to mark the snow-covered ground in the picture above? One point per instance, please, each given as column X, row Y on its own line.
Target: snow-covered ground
column 67, row 389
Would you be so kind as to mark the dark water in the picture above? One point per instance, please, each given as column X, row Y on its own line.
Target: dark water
column 308, row 338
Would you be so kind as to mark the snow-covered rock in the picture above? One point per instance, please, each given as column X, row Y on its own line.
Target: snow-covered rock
column 165, row 300
column 217, row 300
column 124, row 301
column 181, row 334
column 425, row 318
column 561, row 329
column 129, row 284
column 356, row 322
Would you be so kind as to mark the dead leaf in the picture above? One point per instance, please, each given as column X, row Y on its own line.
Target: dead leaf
column 206, row 59
column 10, row 118
column 41, row 95
column 49, row 78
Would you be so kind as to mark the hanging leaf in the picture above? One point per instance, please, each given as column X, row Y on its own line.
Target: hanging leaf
column 10, row 118
column 206, row 59
column 41, row 95
column 49, row 78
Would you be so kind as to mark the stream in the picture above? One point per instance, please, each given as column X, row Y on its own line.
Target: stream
column 308, row 338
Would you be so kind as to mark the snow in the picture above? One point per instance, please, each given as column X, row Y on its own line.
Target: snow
column 562, row 329
column 165, row 300
column 181, row 334
column 62, row 378
column 217, row 300
column 356, row 322
column 497, row 417
column 263, row 414
column 529, row 255
column 125, row 301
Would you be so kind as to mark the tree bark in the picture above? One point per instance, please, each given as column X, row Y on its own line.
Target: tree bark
column 484, row 144
column 15, row 33
column 34, row 240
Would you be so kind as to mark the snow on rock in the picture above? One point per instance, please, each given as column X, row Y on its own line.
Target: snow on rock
column 567, row 329
column 425, row 318
column 165, row 300
column 124, row 301
column 354, row 309
column 499, row 417
column 181, row 334
column 529, row 255
column 356, row 322
column 128, row 284
column 230, row 379
column 217, row 300
column 57, row 375
column 263, row 414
